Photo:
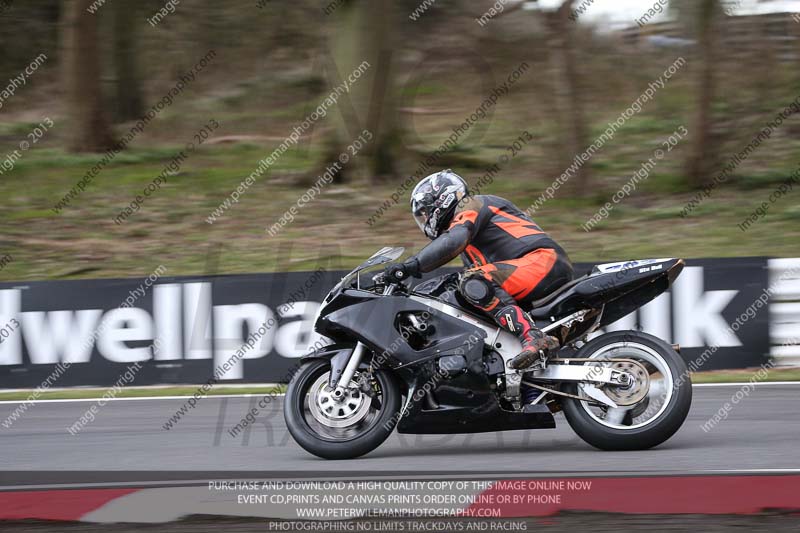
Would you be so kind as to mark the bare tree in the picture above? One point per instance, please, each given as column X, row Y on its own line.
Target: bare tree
column 91, row 131
column 128, row 92
column 364, row 32
column 563, row 34
column 702, row 19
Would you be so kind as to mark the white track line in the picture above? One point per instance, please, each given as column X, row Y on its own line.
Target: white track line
column 743, row 383
column 250, row 395
column 322, row 476
column 68, row 400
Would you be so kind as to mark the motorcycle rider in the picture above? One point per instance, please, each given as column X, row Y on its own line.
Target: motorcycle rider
column 510, row 261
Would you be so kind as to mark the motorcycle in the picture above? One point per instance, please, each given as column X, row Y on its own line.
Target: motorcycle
column 423, row 360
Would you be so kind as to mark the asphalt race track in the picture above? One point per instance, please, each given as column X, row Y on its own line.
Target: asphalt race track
column 760, row 434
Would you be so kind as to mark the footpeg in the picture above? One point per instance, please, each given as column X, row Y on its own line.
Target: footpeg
column 523, row 361
column 535, row 408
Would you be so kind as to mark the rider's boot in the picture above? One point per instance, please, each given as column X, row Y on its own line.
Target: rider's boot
column 535, row 344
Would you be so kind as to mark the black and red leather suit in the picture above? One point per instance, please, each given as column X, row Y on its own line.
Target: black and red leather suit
column 510, row 261
column 503, row 246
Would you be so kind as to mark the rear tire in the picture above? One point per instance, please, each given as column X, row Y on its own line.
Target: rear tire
column 655, row 431
column 381, row 420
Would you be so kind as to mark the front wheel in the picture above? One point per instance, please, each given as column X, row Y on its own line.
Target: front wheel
column 651, row 408
column 340, row 428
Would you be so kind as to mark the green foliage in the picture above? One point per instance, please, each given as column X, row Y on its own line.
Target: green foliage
column 271, row 72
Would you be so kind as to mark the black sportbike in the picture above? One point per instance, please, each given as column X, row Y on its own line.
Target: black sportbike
column 423, row 360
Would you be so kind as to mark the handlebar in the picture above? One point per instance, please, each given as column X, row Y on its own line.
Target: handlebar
column 390, row 284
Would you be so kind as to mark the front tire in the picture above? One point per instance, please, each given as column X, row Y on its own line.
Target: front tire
column 345, row 429
column 628, row 428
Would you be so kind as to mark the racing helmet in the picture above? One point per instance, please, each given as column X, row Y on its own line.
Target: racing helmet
column 434, row 201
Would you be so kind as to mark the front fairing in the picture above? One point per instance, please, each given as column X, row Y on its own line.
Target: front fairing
column 344, row 297
column 352, row 282
column 438, row 285
column 376, row 320
column 382, row 256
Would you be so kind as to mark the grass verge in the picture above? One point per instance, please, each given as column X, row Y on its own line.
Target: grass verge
column 717, row 376
column 139, row 392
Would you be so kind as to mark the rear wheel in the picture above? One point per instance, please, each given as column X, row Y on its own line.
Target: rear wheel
column 340, row 428
column 650, row 409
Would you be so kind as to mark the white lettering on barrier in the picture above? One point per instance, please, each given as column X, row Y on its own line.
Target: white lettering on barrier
column 182, row 313
column 293, row 339
column 167, row 313
column 197, row 320
column 10, row 348
column 228, row 321
column 55, row 336
column 126, row 324
column 698, row 314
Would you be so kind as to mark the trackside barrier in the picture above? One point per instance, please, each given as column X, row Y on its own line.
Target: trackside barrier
column 201, row 323
column 784, row 320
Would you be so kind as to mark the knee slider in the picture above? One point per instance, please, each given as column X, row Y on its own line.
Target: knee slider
column 477, row 290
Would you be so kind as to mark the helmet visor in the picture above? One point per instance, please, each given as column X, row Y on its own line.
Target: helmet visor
column 420, row 215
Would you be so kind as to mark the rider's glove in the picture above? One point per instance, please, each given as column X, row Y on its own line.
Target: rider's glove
column 402, row 271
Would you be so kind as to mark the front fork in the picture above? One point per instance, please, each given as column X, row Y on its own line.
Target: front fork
column 355, row 359
column 349, row 371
